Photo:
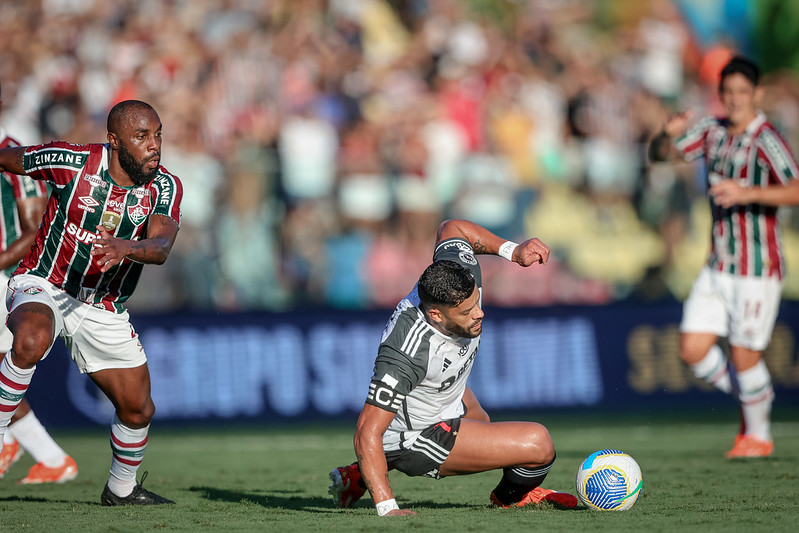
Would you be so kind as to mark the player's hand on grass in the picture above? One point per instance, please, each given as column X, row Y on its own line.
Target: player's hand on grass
column 531, row 251
column 400, row 512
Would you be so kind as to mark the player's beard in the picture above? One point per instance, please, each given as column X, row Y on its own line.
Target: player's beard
column 134, row 169
column 460, row 331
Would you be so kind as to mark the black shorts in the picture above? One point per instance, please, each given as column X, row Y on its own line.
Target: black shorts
column 428, row 452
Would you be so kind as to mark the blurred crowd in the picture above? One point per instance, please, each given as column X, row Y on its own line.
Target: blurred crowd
column 320, row 142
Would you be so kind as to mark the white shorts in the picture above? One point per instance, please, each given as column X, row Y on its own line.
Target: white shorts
column 96, row 338
column 743, row 309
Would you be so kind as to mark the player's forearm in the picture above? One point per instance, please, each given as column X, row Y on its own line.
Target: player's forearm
column 149, row 251
column 11, row 160
column 16, row 251
column 373, row 466
column 775, row 195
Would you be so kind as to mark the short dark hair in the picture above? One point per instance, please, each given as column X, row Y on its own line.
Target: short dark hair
column 122, row 110
column 743, row 66
column 444, row 283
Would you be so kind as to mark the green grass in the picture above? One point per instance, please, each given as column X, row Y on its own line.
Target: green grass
column 275, row 479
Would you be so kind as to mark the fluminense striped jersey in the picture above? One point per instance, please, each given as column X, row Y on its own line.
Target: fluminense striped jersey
column 12, row 189
column 746, row 239
column 84, row 196
column 420, row 374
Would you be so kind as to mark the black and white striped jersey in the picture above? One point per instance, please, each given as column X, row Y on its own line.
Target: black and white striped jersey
column 420, row 374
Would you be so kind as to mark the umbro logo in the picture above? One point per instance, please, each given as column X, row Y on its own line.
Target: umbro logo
column 87, row 203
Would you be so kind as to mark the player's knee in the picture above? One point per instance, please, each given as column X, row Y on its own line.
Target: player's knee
column 542, row 447
column 30, row 345
column 137, row 415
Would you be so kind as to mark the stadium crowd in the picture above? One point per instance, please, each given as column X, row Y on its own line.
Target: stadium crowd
column 320, row 142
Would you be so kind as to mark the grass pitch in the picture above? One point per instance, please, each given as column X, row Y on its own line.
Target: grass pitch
column 275, row 479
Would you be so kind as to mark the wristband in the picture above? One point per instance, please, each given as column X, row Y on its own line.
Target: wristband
column 383, row 508
column 506, row 250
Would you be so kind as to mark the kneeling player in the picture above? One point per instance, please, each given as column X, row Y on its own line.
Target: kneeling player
column 420, row 417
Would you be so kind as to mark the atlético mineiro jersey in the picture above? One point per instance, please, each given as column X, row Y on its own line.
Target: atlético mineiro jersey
column 12, row 189
column 83, row 197
column 420, row 374
column 746, row 239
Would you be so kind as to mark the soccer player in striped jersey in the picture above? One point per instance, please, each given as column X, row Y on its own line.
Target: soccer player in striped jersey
column 112, row 209
column 22, row 202
column 750, row 173
column 420, row 417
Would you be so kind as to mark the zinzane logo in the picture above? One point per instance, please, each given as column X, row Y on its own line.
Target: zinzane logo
column 81, row 235
column 88, row 203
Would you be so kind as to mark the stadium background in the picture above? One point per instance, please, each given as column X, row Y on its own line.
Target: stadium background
column 321, row 142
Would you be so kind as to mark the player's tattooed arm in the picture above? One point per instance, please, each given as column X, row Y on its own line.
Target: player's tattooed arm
column 479, row 247
column 12, row 159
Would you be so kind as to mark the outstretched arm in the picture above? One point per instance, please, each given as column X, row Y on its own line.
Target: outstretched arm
column 161, row 233
column 11, row 159
column 484, row 242
column 372, row 424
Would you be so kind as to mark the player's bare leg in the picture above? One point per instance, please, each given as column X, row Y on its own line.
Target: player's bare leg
column 129, row 391
column 524, row 451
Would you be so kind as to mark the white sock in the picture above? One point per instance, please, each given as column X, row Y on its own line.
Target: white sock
column 127, row 447
column 713, row 369
column 8, row 438
column 35, row 440
column 756, row 397
column 14, row 382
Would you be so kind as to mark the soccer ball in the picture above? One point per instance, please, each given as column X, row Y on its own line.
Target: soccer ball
column 609, row 480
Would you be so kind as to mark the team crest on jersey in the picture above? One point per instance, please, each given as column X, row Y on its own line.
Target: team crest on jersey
column 137, row 213
column 467, row 258
column 110, row 220
column 33, row 291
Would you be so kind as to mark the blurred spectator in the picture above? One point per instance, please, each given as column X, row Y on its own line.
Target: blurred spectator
column 321, row 141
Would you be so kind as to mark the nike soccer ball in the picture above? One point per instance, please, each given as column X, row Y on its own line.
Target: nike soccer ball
column 609, row 480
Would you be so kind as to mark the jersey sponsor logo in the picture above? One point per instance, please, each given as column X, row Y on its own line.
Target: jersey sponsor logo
column 54, row 157
column 450, row 381
column 81, row 235
column 467, row 258
column 88, row 203
column 137, row 213
column 139, row 193
column 94, row 180
column 116, row 204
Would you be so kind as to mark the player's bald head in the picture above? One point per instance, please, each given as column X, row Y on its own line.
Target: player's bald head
column 124, row 113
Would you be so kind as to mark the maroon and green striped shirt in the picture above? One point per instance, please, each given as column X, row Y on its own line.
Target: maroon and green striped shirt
column 84, row 196
column 746, row 239
column 14, row 188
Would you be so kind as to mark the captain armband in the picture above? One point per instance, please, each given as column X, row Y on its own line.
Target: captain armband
column 382, row 395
